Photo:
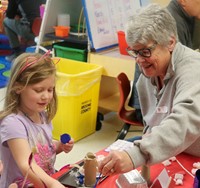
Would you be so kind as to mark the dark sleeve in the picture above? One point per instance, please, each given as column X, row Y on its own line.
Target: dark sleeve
column 184, row 35
column 134, row 99
column 12, row 9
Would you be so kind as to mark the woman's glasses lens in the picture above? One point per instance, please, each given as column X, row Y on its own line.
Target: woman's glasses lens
column 145, row 52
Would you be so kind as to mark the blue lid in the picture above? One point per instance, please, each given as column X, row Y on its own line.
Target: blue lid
column 65, row 138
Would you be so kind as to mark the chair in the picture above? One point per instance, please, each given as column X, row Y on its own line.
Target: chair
column 36, row 26
column 35, row 29
column 127, row 116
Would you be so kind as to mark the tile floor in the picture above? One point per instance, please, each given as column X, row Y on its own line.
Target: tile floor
column 92, row 143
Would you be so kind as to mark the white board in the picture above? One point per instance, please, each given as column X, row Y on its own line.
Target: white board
column 104, row 18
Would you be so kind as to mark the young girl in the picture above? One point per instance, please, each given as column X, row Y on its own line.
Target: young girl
column 27, row 150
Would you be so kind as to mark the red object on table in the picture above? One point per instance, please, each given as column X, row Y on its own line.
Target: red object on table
column 185, row 159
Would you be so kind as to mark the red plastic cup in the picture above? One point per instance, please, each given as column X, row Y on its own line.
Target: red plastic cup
column 122, row 43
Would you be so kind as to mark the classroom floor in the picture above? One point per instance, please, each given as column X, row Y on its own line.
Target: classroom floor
column 92, row 143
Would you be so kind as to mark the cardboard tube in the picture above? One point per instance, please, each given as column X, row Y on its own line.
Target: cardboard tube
column 90, row 169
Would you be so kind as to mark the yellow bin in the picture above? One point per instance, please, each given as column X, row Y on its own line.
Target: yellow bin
column 77, row 88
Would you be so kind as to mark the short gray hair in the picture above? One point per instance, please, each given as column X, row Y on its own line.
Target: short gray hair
column 151, row 23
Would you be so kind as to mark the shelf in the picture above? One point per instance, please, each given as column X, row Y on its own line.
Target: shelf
column 70, row 38
column 113, row 62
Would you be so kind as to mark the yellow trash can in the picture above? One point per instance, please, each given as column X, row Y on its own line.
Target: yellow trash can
column 77, row 87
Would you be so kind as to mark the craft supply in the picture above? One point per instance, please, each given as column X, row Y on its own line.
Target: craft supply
column 196, row 183
column 145, row 172
column 166, row 163
column 193, row 171
column 172, row 159
column 120, row 145
column 132, row 179
column 62, row 31
column 90, row 169
column 179, row 178
column 98, row 180
column 65, row 138
column 196, row 165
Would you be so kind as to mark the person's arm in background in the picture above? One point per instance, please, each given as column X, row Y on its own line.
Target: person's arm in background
column 185, row 37
column 184, row 22
column 12, row 9
column 196, row 38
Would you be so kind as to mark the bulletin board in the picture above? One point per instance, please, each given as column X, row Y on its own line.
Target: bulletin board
column 104, row 18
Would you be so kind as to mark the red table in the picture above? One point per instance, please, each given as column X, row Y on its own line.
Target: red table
column 185, row 159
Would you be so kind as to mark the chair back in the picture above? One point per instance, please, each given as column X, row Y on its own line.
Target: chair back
column 36, row 26
column 124, row 90
column 128, row 116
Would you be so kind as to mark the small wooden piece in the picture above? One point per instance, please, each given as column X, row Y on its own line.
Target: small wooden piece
column 146, row 173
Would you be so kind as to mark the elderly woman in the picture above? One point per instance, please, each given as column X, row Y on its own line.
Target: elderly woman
column 169, row 92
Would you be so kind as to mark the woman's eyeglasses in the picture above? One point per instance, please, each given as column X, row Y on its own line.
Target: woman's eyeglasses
column 145, row 52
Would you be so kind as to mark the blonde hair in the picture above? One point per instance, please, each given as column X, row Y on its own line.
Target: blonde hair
column 29, row 68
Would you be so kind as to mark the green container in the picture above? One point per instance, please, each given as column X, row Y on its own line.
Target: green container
column 72, row 51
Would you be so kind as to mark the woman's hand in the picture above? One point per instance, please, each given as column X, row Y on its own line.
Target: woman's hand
column 116, row 162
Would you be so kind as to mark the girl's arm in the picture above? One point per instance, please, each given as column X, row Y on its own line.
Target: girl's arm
column 21, row 151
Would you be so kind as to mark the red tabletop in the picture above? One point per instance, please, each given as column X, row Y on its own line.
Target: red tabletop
column 185, row 159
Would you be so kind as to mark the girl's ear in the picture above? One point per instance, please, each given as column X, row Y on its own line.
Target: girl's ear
column 18, row 91
column 18, row 88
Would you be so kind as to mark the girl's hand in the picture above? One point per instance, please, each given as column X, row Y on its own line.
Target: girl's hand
column 13, row 185
column 68, row 146
column 63, row 147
